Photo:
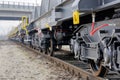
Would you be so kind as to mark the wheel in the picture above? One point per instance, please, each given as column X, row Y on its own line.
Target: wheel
column 78, row 56
column 77, row 50
column 71, row 49
column 98, row 69
column 51, row 48
column 40, row 50
column 59, row 47
column 45, row 51
column 71, row 46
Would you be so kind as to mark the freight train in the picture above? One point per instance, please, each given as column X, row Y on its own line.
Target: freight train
column 90, row 27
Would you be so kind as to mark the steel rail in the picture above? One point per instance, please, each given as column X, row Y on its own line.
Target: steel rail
column 83, row 72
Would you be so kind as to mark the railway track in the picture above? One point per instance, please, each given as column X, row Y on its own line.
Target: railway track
column 75, row 67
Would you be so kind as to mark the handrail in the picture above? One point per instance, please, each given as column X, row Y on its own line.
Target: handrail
column 11, row 4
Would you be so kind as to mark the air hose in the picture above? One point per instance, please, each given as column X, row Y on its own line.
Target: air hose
column 93, row 30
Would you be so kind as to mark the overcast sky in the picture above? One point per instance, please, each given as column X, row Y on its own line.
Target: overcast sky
column 6, row 26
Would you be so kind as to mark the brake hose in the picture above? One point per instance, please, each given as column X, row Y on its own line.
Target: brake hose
column 93, row 30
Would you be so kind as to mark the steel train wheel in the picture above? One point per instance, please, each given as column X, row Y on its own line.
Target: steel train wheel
column 46, row 51
column 51, row 48
column 98, row 69
column 71, row 49
column 59, row 47
column 40, row 50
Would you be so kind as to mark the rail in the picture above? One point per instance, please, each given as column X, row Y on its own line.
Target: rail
column 77, row 68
